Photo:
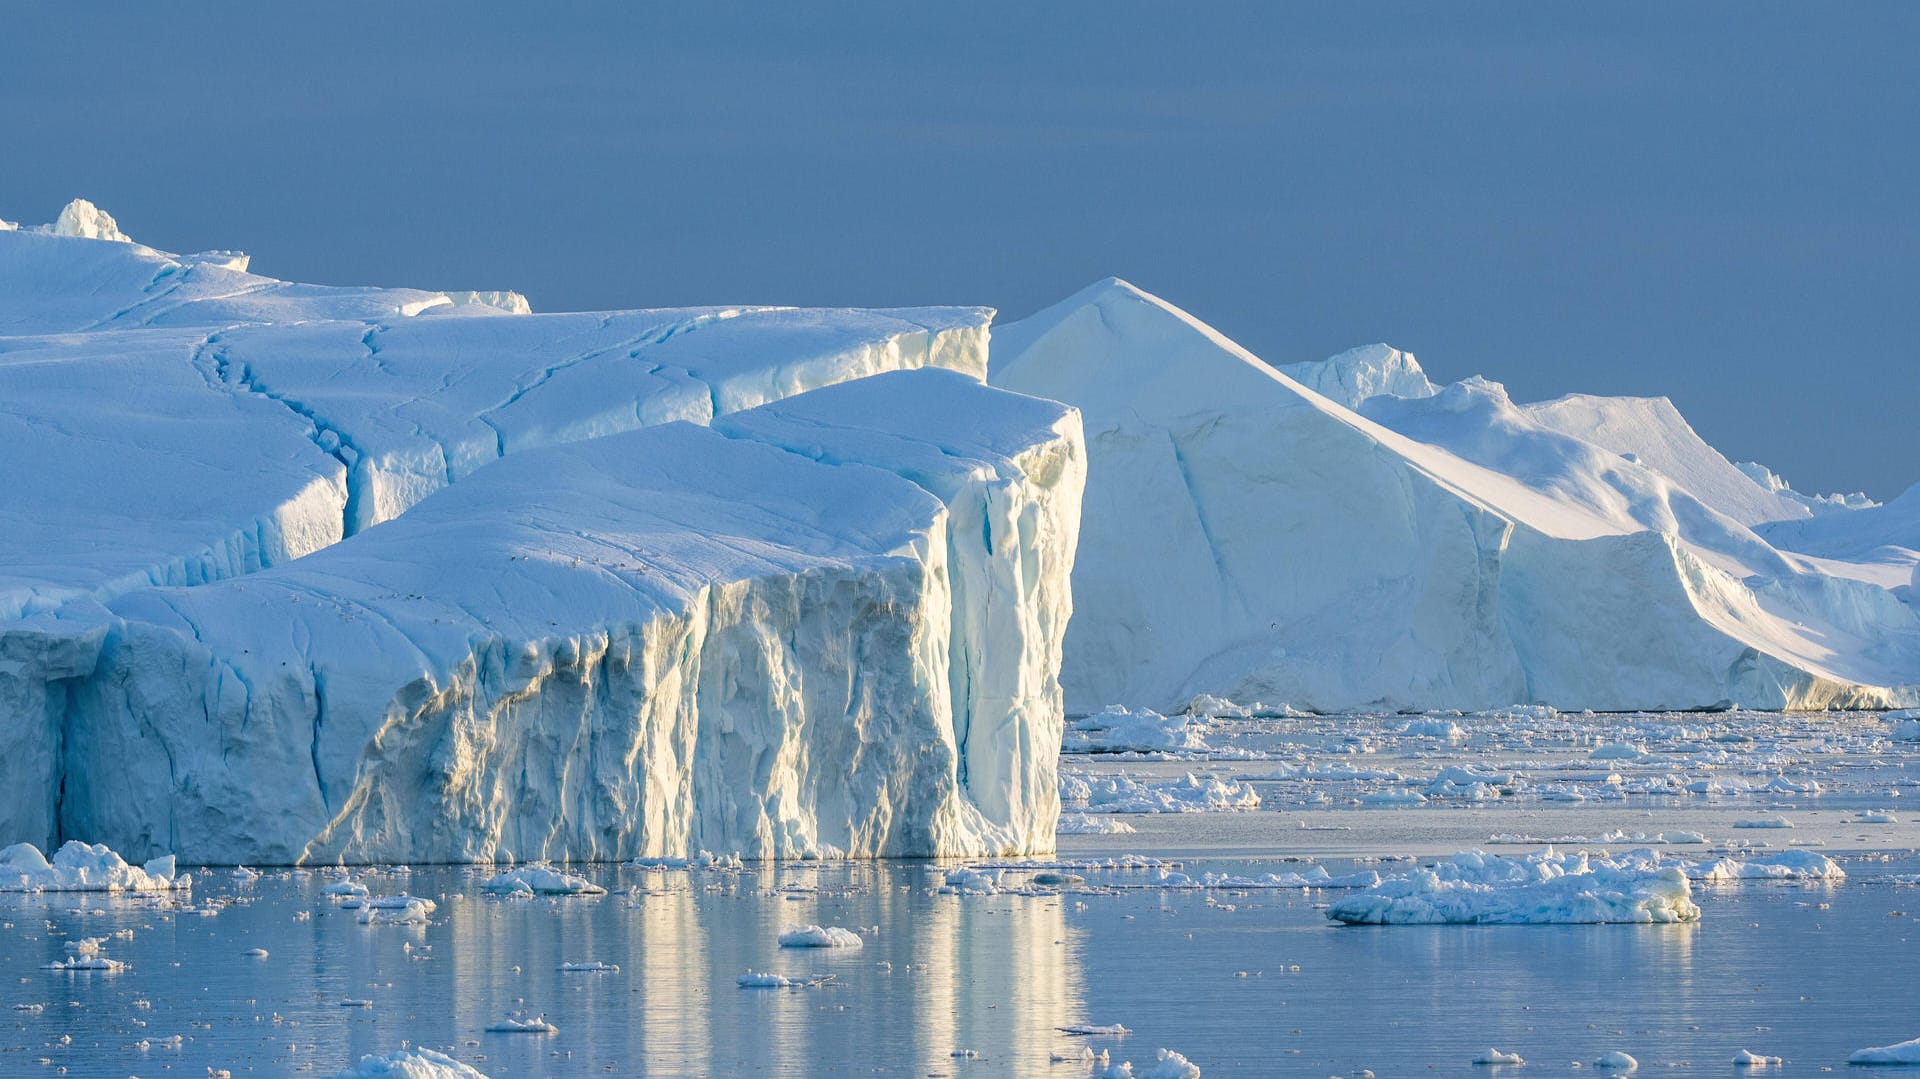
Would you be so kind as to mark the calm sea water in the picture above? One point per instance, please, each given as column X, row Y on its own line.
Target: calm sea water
column 1267, row 987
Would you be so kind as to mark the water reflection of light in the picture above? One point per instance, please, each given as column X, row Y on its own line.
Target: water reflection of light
column 995, row 975
column 668, row 964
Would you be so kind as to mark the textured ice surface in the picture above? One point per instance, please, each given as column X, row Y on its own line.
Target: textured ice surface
column 1248, row 537
column 1542, row 889
column 830, row 630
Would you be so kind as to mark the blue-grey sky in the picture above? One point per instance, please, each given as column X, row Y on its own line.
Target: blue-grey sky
column 1712, row 202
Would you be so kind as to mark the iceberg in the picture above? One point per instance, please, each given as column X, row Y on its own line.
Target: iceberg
column 1249, row 537
column 347, row 575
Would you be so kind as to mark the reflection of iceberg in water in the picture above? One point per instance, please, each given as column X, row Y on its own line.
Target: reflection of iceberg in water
column 667, row 959
column 996, row 975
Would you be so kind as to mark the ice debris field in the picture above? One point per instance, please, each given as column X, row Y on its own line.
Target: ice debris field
column 655, row 616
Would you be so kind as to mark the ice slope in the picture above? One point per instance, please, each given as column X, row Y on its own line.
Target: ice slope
column 1651, row 432
column 1247, row 537
column 638, row 645
column 1887, row 533
column 1815, row 504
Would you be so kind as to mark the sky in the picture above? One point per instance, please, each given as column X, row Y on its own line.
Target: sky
column 1711, row 202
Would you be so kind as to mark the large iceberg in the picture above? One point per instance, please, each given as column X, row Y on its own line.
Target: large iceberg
column 1393, row 546
column 348, row 575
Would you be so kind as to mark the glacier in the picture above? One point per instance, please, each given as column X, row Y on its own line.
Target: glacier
column 311, row 574
column 1343, row 535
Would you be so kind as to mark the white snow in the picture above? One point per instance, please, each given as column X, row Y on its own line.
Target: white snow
column 819, row 936
column 1747, row 1058
column 1496, row 1058
column 410, row 1064
column 1505, row 560
column 1547, row 888
column 1904, row 725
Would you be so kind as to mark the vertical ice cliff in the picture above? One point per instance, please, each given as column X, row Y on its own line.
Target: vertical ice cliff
column 642, row 644
column 1246, row 536
column 195, row 656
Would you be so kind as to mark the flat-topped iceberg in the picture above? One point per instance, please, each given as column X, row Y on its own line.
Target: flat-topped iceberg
column 587, row 625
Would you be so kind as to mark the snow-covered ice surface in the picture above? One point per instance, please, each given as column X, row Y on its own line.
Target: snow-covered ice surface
column 583, row 629
column 1583, row 553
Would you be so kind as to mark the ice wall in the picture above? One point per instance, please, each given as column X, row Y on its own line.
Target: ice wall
column 642, row 644
column 186, row 430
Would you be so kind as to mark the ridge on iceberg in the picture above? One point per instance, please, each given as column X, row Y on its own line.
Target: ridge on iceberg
column 1247, row 537
column 1360, row 373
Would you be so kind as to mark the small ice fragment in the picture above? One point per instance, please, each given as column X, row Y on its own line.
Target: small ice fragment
column 1617, row 1061
column 1092, row 1030
column 1746, row 1058
column 819, row 936
column 410, row 1064
column 590, row 967
column 1764, row 822
column 521, row 1023
column 255, row 953
column 1494, row 1058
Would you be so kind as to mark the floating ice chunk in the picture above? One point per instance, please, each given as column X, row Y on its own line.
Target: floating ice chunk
column 539, row 880
column 592, row 966
column 345, row 888
column 1907, row 1052
column 410, row 1064
column 352, row 1002
column 395, row 910
column 1764, row 822
column 1786, row 865
column 1120, row 730
column 255, row 953
column 1617, row 1061
column 1904, row 725
column 1166, row 1064
column 971, row 882
column 1618, row 751
column 1746, row 1058
column 819, row 936
column 1086, row 824
column 1090, row 1030
column 83, row 963
column 1547, row 888
column 1874, row 816
column 84, row 867
column 522, row 1023
column 1393, row 798
column 1494, row 1058
column 761, row 979
column 1189, row 794
column 1444, row 729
